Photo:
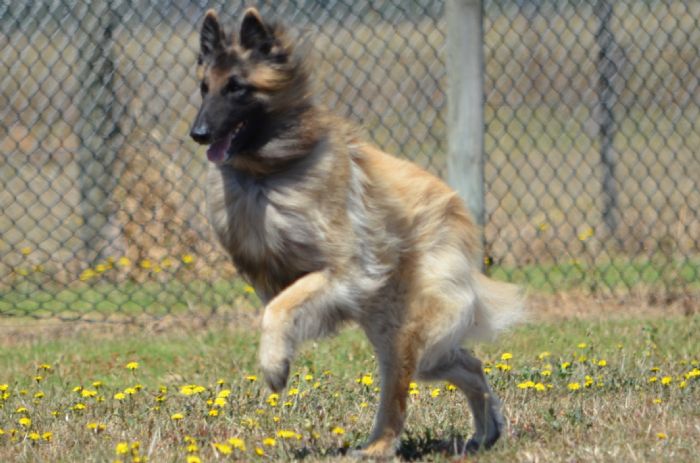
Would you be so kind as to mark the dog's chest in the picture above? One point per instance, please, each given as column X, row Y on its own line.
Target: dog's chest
column 270, row 232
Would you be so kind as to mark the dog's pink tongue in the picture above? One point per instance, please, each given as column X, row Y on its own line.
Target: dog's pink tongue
column 216, row 152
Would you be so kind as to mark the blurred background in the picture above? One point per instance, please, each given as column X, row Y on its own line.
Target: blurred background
column 591, row 145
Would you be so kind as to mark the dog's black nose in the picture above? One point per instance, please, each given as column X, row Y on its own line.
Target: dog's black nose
column 201, row 134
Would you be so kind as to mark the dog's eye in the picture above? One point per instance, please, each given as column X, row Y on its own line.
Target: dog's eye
column 233, row 86
column 204, row 88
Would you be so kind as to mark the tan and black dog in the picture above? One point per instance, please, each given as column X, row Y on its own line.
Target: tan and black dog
column 329, row 229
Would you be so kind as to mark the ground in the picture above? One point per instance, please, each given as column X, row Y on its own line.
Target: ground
column 575, row 388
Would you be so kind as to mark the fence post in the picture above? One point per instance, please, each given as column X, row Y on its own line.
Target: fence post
column 607, row 69
column 465, row 104
column 98, row 131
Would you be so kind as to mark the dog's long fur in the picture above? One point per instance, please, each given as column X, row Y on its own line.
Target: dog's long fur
column 329, row 229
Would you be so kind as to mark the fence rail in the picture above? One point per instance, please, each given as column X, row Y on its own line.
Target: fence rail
column 591, row 159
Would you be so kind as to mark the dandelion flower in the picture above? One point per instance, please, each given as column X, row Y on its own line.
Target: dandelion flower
column 47, row 436
column 574, row 386
column 366, row 380
column 259, row 452
column 122, row 448
column 666, row 380
column 213, row 412
column 540, row 387
column 269, row 442
column 657, row 401
column 435, row 392
column 25, row 250
column 338, row 431
column 237, row 443
column 132, row 366
column 177, row 416
column 661, row 435
column 33, row 436
column 251, row 378
column 602, row 363
column 286, row 434
column 193, row 459
column 119, row 396
column 25, row 422
column 506, row 356
column 187, row 259
column 223, row 449
column 543, row 355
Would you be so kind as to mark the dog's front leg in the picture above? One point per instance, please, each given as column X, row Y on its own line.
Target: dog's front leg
column 301, row 311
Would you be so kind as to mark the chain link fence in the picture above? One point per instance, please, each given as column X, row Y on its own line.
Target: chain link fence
column 591, row 143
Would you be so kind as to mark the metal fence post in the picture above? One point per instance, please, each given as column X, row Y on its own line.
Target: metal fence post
column 465, row 103
column 98, row 134
column 607, row 69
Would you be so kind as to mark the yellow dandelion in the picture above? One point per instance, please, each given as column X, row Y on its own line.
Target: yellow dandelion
column 193, row 459
column 79, row 407
column 251, row 378
column 338, row 431
column 25, row 422
column 582, row 345
column 187, row 259
column 666, row 380
column 574, row 386
column 259, row 452
column 657, row 401
column 47, row 436
column 540, row 387
column 214, row 412
column 308, row 377
column 119, row 396
column 4, row 387
column 526, row 385
column 367, row 380
column 269, row 442
column 145, row 264
column 45, row 367
column 272, row 399
column 177, row 416
column 435, row 392
column 87, row 274
column 87, row 393
column 286, row 434
column 33, row 436
column 237, row 443
column 451, row 387
column 192, row 447
column 565, row 365
column 25, row 250
column 191, row 389
column 683, row 384
column 132, row 366
column 130, row 391
column 602, row 363
column 653, row 379
column 220, row 402
column 122, row 448
column 223, row 449
column 506, row 356
column 39, row 395
column 293, row 391
column 661, row 435
column 543, row 355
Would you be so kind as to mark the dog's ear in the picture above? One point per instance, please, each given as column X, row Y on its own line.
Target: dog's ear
column 255, row 35
column 211, row 39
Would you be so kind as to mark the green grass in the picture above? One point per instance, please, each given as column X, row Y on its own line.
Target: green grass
column 111, row 299
column 618, row 417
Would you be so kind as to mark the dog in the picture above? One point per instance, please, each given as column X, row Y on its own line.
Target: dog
column 329, row 229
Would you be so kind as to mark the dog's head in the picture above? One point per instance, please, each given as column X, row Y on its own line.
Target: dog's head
column 250, row 81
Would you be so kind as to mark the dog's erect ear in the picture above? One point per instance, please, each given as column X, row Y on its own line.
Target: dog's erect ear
column 254, row 34
column 211, row 39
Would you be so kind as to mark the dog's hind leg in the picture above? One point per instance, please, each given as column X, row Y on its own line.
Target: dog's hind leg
column 397, row 363
column 306, row 309
column 464, row 370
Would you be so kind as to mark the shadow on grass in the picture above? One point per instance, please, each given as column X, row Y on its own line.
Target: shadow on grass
column 411, row 448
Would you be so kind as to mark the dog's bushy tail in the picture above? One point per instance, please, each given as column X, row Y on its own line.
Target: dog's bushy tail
column 499, row 305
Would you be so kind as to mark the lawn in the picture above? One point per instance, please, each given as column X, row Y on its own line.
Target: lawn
column 579, row 390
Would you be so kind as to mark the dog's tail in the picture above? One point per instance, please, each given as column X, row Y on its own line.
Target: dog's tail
column 499, row 305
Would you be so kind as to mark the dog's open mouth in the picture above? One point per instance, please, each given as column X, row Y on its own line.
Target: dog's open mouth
column 218, row 152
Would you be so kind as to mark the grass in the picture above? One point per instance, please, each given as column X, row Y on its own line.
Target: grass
column 599, row 399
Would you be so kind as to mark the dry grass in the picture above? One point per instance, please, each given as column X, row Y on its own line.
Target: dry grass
column 617, row 412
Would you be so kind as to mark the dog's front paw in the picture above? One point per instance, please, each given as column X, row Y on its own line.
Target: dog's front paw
column 276, row 375
column 275, row 358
